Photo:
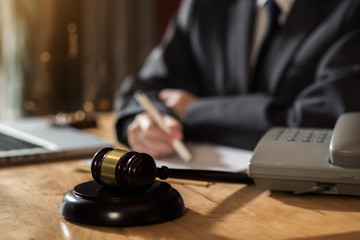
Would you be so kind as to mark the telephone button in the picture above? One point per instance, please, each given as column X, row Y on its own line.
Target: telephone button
column 306, row 139
column 307, row 136
column 293, row 134
column 278, row 134
column 321, row 138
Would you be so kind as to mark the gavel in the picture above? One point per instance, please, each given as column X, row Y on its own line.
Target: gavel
column 134, row 171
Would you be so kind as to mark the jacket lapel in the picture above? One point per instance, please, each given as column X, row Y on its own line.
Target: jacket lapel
column 238, row 44
column 287, row 42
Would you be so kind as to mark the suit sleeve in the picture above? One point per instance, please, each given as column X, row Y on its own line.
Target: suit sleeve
column 336, row 88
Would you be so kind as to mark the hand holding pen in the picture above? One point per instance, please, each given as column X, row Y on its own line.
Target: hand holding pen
column 159, row 135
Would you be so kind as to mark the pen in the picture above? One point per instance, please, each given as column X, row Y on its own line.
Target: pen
column 178, row 145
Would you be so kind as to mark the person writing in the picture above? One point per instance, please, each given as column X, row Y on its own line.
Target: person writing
column 226, row 71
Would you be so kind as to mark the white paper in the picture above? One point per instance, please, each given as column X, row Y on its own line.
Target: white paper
column 210, row 157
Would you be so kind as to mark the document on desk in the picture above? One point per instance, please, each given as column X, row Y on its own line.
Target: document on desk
column 210, row 157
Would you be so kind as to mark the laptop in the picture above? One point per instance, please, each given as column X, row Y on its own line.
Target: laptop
column 35, row 139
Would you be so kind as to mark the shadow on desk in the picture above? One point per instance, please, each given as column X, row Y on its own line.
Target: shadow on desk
column 319, row 201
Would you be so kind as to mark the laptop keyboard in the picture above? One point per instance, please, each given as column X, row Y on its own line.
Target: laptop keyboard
column 8, row 143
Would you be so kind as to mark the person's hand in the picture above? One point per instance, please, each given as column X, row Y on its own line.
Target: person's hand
column 177, row 100
column 144, row 135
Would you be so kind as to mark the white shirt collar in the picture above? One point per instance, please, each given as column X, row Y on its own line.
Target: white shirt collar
column 284, row 5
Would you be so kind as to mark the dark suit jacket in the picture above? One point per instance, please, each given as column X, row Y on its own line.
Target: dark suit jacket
column 310, row 76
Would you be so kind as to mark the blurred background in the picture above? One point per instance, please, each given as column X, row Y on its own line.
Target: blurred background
column 66, row 55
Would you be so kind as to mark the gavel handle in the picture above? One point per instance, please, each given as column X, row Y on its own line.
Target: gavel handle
column 204, row 175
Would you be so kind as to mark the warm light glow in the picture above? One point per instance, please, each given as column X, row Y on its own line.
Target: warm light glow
column 45, row 57
column 72, row 27
column 79, row 115
column 88, row 106
column 103, row 104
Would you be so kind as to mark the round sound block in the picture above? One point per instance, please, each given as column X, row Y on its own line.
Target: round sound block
column 94, row 204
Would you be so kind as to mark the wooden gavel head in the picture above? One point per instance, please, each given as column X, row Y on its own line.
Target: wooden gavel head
column 123, row 169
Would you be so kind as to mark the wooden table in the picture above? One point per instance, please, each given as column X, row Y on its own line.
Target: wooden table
column 30, row 198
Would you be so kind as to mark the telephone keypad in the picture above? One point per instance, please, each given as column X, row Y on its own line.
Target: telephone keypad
column 306, row 136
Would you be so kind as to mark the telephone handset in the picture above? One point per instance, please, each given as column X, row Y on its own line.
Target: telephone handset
column 345, row 143
column 303, row 160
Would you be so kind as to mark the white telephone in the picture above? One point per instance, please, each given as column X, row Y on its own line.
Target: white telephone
column 304, row 160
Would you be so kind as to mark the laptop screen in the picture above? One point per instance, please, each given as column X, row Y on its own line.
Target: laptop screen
column 34, row 139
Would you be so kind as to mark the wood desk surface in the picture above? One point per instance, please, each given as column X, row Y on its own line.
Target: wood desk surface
column 30, row 198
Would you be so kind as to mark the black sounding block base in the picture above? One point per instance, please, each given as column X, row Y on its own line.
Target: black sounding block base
column 94, row 204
